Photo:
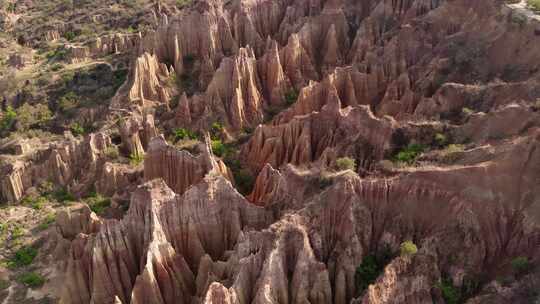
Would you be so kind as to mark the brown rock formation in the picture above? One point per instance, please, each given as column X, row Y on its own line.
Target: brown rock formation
column 179, row 168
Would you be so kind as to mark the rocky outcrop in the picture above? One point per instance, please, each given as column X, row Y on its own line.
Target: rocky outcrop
column 304, row 139
column 179, row 168
column 164, row 242
column 71, row 163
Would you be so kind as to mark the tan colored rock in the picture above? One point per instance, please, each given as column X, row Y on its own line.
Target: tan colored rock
column 179, row 168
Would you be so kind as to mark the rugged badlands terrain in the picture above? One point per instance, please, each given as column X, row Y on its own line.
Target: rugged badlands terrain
column 269, row 151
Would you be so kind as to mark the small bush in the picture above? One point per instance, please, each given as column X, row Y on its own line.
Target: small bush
column 97, row 203
column 77, row 129
column 68, row 102
column 47, row 222
column 534, row 5
column 34, row 202
column 70, row 36
column 32, row 279
column 450, row 152
column 346, row 163
column 291, row 97
column 520, row 265
column 409, row 154
column 370, row 269
column 441, row 140
column 216, row 130
column 8, row 119
column 135, row 159
column 112, row 152
column 62, row 195
column 29, row 116
column 450, row 294
column 4, row 285
column 408, row 248
column 182, row 134
column 467, row 111
column 23, row 257
column 17, row 232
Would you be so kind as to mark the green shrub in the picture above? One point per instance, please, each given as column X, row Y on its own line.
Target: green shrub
column 77, row 129
column 408, row 248
column 112, row 152
column 216, row 130
column 467, row 111
column 97, row 203
column 68, row 102
column 135, row 159
column 29, row 116
column 450, row 153
column 409, row 154
column 441, row 140
column 371, row 267
column 534, row 5
column 47, row 222
column 182, row 134
column 34, row 202
column 8, row 119
column 31, row 279
column 70, row 35
column 182, row 3
column 62, row 195
column 17, row 232
column 450, row 294
column 291, row 96
column 222, row 150
column 4, row 285
column 520, row 265
column 57, row 67
column 22, row 257
column 346, row 163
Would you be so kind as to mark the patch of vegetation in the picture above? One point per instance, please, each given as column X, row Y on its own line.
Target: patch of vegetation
column 534, row 5
column 184, row 134
column 62, row 195
column 135, row 159
column 97, row 203
column 441, row 140
column 70, row 36
column 47, row 222
column 371, row 267
column 216, row 130
column 77, row 129
column 520, row 265
column 243, row 178
column 456, row 294
column 467, row 111
column 33, row 116
column 291, row 96
column 17, row 232
column 23, row 257
column 7, row 120
column 220, row 149
column 4, row 285
column 346, row 163
column 35, row 202
column 32, row 279
column 450, row 293
column 112, row 152
column 180, row 4
column 408, row 248
column 450, row 153
column 409, row 154
column 68, row 102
